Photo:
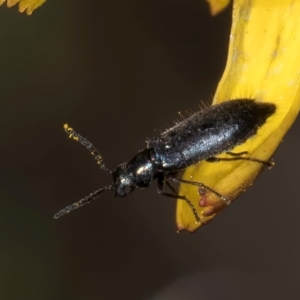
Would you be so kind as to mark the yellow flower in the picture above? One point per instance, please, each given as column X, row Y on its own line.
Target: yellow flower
column 24, row 5
column 217, row 6
column 263, row 63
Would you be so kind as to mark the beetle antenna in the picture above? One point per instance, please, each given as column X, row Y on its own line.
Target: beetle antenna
column 82, row 202
column 83, row 141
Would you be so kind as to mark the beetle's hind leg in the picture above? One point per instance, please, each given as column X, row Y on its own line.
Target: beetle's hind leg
column 162, row 182
column 239, row 156
column 237, row 153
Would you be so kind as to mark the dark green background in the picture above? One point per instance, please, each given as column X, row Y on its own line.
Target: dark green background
column 115, row 70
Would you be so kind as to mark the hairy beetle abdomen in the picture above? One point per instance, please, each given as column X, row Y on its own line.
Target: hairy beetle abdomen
column 209, row 132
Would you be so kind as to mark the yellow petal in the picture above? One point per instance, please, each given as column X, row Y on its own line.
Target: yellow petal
column 217, row 6
column 30, row 5
column 11, row 3
column 25, row 5
column 263, row 63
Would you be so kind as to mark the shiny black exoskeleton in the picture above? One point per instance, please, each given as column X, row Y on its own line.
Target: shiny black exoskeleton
column 202, row 136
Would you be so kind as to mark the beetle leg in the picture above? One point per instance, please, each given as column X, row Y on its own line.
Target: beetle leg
column 180, row 180
column 238, row 157
column 161, row 182
column 237, row 153
column 168, row 184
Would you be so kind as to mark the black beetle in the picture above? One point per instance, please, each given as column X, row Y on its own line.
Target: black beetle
column 202, row 136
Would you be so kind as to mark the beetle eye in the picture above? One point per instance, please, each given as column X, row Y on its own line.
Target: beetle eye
column 124, row 189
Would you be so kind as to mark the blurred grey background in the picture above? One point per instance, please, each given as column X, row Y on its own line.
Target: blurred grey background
column 116, row 70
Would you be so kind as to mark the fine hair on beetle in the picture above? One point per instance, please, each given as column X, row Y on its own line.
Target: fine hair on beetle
column 204, row 135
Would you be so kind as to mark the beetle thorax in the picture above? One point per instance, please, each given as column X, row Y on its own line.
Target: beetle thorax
column 137, row 173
